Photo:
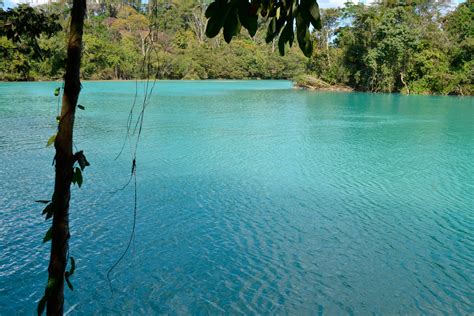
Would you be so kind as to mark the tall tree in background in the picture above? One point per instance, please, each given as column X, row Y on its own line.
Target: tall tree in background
column 21, row 28
column 460, row 25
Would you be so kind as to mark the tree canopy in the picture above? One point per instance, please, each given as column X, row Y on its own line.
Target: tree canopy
column 20, row 29
column 417, row 47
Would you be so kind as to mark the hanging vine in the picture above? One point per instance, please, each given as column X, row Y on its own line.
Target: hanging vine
column 134, row 127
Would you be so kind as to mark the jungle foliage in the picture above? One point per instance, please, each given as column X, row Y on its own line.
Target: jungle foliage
column 420, row 47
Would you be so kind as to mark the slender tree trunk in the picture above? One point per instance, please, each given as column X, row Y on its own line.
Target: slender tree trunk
column 64, row 162
column 404, row 83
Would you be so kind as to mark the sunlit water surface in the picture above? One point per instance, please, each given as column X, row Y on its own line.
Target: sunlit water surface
column 253, row 198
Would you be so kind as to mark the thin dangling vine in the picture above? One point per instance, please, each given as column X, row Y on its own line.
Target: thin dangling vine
column 136, row 130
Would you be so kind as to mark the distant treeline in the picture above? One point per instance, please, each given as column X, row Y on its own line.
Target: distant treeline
column 422, row 47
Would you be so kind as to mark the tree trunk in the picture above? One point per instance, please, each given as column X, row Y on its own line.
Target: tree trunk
column 64, row 163
column 404, row 83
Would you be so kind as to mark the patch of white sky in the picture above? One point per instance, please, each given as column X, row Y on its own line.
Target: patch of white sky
column 331, row 3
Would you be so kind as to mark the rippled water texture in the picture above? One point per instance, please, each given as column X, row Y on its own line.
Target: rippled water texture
column 253, row 198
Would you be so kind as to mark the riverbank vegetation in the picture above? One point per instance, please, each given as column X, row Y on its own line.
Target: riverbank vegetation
column 421, row 48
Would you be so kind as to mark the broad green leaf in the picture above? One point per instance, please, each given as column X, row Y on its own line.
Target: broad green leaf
column 232, row 25
column 303, row 36
column 49, row 235
column 248, row 19
column 67, row 274
column 69, row 284
column 51, row 140
column 49, row 211
column 216, row 19
column 212, row 10
column 252, row 25
column 315, row 15
column 286, row 38
column 310, row 12
column 77, row 176
column 214, row 26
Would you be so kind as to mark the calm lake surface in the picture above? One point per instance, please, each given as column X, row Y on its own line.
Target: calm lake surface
column 253, row 198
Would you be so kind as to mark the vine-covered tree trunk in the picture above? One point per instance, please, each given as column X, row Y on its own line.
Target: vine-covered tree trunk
column 65, row 162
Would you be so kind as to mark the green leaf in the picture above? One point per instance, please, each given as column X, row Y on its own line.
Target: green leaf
column 81, row 107
column 81, row 159
column 247, row 18
column 49, row 235
column 214, row 26
column 252, row 25
column 49, row 211
column 69, row 284
column 51, row 140
column 315, row 17
column 77, row 176
column 212, row 10
column 283, row 46
column 217, row 15
column 286, row 38
column 67, row 274
column 232, row 25
column 41, row 305
column 310, row 12
column 56, row 91
column 303, row 36
column 73, row 266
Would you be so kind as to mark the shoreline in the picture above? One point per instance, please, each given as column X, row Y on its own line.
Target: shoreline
column 308, row 82
column 127, row 80
column 304, row 82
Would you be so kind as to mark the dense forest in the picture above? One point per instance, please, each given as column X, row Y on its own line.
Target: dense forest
column 421, row 47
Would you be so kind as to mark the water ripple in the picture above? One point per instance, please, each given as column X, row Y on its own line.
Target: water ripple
column 253, row 199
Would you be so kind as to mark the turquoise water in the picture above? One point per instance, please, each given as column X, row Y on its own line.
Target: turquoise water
column 253, row 198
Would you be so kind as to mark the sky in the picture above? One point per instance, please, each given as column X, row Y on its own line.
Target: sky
column 322, row 3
